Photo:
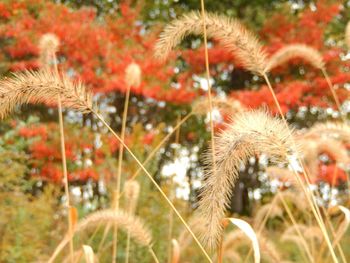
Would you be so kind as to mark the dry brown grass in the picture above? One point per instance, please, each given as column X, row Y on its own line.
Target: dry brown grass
column 42, row 87
column 251, row 133
column 229, row 32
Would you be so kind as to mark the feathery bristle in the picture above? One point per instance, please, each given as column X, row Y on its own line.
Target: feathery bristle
column 336, row 130
column 48, row 46
column 283, row 175
column 272, row 208
column 42, row 87
column 134, row 225
column 125, row 221
column 308, row 232
column 132, row 191
column 251, row 133
column 236, row 239
column 184, row 237
column 309, row 54
column 225, row 106
column 133, row 75
column 312, row 148
column 229, row 32
column 293, row 197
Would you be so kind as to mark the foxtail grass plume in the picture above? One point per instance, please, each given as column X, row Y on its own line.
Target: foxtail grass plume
column 336, row 130
column 312, row 149
column 225, row 106
column 272, row 209
column 133, row 75
column 251, row 133
column 138, row 231
column 132, row 224
column 42, row 87
column 310, row 233
column 48, row 45
column 229, row 32
column 343, row 226
column 283, row 175
column 132, row 191
column 307, row 53
column 185, row 238
column 249, row 232
column 294, row 198
column 236, row 239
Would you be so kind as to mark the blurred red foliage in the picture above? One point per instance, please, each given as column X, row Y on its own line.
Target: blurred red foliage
column 98, row 53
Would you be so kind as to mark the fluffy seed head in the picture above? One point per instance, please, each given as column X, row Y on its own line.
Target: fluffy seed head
column 309, row 233
column 134, row 225
column 251, row 133
column 236, row 239
column 312, row 148
column 48, row 46
column 229, row 32
column 132, row 191
column 283, row 175
column 133, row 75
column 42, row 87
column 272, row 209
column 336, row 130
column 226, row 106
column 283, row 55
column 129, row 223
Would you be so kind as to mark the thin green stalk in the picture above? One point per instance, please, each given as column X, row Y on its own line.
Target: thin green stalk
column 119, row 171
column 154, row 256
column 148, row 159
column 153, row 182
column 308, row 195
column 64, row 166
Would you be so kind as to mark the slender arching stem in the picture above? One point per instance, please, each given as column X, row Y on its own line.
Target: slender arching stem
column 263, row 223
column 290, row 214
column 334, row 94
column 145, row 162
column 154, row 256
column 119, row 171
column 307, row 192
column 153, row 181
column 64, row 167
column 156, row 149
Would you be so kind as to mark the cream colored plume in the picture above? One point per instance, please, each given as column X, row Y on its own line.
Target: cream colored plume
column 225, row 106
column 42, row 87
column 236, row 239
column 131, row 191
column 271, row 209
column 283, row 175
column 48, row 46
column 344, row 225
column 335, row 130
column 251, row 133
column 229, row 32
column 312, row 148
column 133, row 75
column 283, row 55
column 129, row 223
